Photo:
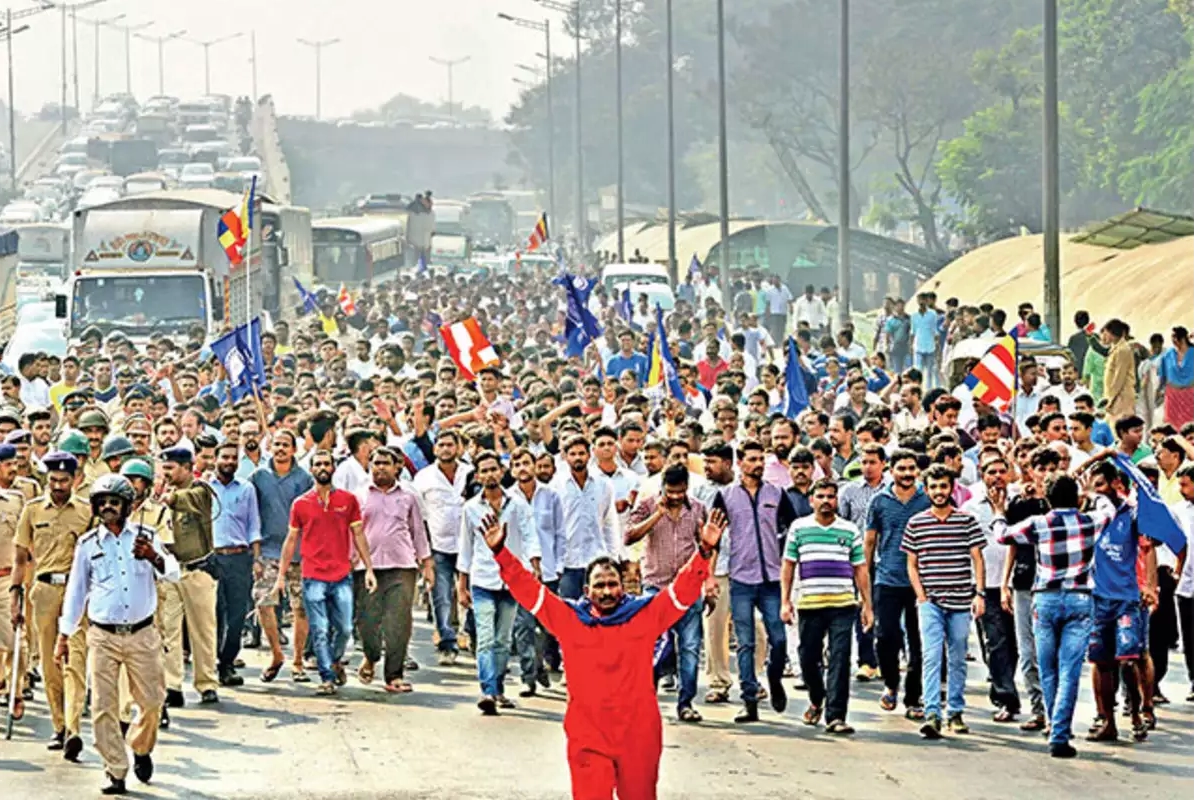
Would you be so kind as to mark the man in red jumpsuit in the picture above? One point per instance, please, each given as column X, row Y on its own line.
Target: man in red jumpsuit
column 613, row 724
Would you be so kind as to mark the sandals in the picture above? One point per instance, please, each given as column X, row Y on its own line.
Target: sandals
column 717, row 696
column 914, row 714
column 366, row 673
column 1107, row 734
column 689, row 714
column 1034, row 724
column 812, row 716
column 299, row 675
column 271, row 673
column 839, row 728
column 887, row 701
column 326, row 690
column 18, row 712
column 1004, row 715
column 339, row 674
column 398, row 687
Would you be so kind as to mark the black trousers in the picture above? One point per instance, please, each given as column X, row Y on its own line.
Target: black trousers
column 893, row 604
column 831, row 689
column 1164, row 627
column 1000, row 641
column 235, row 581
column 1186, row 620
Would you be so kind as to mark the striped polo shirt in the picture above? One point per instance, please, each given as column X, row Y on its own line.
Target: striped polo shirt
column 943, row 551
column 825, row 558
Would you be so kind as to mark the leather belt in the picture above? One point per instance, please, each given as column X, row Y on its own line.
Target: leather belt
column 123, row 629
column 231, row 551
column 53, row 578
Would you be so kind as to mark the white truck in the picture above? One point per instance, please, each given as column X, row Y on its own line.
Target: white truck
column 145, row 271
column 43, row 258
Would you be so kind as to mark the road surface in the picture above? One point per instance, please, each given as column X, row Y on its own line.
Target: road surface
column 281, row 741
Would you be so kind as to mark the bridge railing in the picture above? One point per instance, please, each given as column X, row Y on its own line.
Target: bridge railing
column 266, row 141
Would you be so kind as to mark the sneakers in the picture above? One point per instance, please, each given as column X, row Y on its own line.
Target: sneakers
column 866, row 673
column 956, row 725
column 931, row 728
column 447, row 658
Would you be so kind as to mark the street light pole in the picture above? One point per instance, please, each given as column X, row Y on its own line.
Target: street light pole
column 317, row 48
column 450, row 64
column 1050, row 262
column 672, row 261
column 159, row 41
column 253, row 66
column 620, row 146
column 96, row 23
column 75, row 55
column 581, row 230
column 722, row 157
column 843, row 256
column 207, row 44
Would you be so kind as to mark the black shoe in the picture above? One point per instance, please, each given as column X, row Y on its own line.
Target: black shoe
column 174, row 698
column 544, row 680
column 749, row 713
column 124, row 729
column 778, row 695
column 27, row 693
column 1062, row 750
column 143, row 767
column 56, row 743
column 34, row 677
column 208, row 697
column 931, row 728
column 164, row 720
column 115, row 785
column 530, row 690
column 410, row 665
column 72, row 748
column 668, row 683
column 231, row 679
column 487, row 705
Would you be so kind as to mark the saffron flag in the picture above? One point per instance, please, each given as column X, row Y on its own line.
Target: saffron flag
column 993, row 380
column 662, row 366
column 541, row 233
column 468, row 347
column 231, row 235
column 346, row 301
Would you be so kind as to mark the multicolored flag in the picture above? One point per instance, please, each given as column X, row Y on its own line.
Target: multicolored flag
column 346, row 301
column 541, row 233
column 994, row 379
column 662, row 366
column 468, row 347
column 232, row 236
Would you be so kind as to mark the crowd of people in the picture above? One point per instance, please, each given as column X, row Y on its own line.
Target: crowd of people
column 146, row 513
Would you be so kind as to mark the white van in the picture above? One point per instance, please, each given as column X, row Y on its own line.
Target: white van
column 620, row 275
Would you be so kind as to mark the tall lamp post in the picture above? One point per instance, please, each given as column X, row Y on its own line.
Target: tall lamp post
column 722, row 158
column 207, row 45
column 672, row 260
column 317, row 48
column 450, row 64
column 160, row 41
column 843, row 255
column 8, row 34
column 581, row 230
column 129, row 31
column 620, row 143
column 544, row 27
column 65, row 9
column 96, row 25
column 1051, row 286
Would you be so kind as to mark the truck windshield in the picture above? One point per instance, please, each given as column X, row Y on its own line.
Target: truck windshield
column 334, row 263
column 41, row 269
column 139, row 305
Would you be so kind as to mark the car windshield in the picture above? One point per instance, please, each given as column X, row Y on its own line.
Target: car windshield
column 124, row 304
column 198, row 169
column 243, row 164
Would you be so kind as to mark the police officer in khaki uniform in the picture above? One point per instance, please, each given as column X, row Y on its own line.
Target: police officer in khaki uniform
column 11, row 503
column 94, row 425
column 30, row 481
column 113, row 576
column 141, row 433
column 194, row 597
column 76, row 444
column 47, row 531
column 150, row 515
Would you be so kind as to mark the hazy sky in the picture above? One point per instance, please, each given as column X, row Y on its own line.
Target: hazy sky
column 384, row 49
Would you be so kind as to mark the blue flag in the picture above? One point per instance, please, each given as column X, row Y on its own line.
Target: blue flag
column 581, row 325
column 695, row 268
column 793, row 381
column 422, row 267
column 311, row 306
column 1153, row 517
column 625, row 306
column 670, row 376
column 240, row 353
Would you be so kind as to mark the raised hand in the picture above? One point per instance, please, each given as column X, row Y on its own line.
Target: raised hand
column 710, row 534
column 493, row 533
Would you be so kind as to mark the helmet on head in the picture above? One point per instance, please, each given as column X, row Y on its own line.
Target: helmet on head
column 137, row 468
column 75, row 443
column 112, row 485
column 94, row 418
column 116, row 446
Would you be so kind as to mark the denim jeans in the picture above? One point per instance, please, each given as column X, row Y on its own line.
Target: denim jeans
column 570, row 584
column 1000, row 639
column 686, row 637
column 894, row 604
column 330, row 609
column 444, row 577
column 943, row 630
column 1062, row 622
column 928, row 364
column 525, row 642
column 495, row 612
column 832, row 689
column 1027, row 659
column 744, row 598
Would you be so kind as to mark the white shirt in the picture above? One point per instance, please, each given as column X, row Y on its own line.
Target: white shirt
column 441, row 505
column 993, row 526
column 855, row 350
column 1066, row 399
column 351, row 476
column 114, row 587
column 363, row 369
column 590, row 519
column 35, row 392
column 810, row 310
column 1185, row 511
column 778, row 298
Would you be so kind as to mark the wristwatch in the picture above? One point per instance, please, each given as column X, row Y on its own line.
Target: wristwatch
column 979, row 593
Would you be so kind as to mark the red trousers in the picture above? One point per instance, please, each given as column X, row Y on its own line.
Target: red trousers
column 632, row 774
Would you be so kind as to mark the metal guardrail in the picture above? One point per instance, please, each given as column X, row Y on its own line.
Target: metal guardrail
column 47, row 146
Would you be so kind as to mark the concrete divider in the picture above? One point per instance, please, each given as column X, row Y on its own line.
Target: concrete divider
column 38, row 162
column 266, row 142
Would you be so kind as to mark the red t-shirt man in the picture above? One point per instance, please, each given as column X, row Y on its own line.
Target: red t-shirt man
column 707, row 372
column 325, row 536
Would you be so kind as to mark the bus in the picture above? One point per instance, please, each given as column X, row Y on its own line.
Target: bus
column 356, row 250
column 491, row 221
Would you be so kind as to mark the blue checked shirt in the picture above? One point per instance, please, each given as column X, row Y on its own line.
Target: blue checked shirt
column 1065, row 540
